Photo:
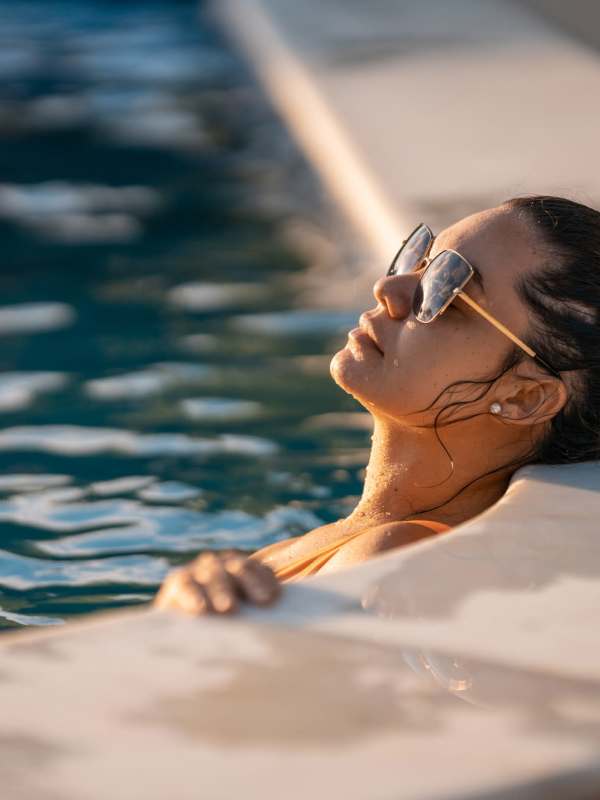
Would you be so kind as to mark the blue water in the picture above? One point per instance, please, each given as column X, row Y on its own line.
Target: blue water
column 164, row 389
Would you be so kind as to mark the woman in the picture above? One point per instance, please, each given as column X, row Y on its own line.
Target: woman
column 481, row 355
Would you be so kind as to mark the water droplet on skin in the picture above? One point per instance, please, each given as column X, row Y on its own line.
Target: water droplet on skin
column 396, row 362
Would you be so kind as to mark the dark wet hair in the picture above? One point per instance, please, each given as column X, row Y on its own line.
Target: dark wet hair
column 564, row 299
column 563, row 296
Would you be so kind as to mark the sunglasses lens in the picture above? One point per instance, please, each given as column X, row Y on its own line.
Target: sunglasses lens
column 446, row 272
column 412, row 252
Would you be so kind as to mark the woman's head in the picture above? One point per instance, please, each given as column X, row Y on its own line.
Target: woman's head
column 540, row 261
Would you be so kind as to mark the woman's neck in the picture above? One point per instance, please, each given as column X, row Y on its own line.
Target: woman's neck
column 409, row 472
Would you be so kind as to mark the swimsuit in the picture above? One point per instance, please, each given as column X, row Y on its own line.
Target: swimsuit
column 308, row 565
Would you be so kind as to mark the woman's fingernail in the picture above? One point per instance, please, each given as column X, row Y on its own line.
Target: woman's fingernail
column 222, row 602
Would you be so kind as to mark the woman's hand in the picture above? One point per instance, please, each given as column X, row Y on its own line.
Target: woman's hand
column 214, row 582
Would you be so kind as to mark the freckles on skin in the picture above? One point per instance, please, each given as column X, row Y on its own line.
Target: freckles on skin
column 433, row 356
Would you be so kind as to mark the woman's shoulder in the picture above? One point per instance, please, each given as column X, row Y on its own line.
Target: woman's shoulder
column 360, row 544
column 380, row 538
column 297, row 546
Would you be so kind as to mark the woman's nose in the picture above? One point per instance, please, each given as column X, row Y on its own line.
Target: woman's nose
column 395, row 293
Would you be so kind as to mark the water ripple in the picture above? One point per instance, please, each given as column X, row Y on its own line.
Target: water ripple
column 76, row 440
column 220, row 409
column 295, row 322
column 169, row 492
column 29, row 619
column 22, row 573
column 163, row 529
column 125, row 485
column 31, row 483
column 214, row 296
column 35, row 317
column 76, row 213
column 148, row 381
column 20, row 389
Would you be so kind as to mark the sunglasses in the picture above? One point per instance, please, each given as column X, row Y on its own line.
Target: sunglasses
column 442, row 281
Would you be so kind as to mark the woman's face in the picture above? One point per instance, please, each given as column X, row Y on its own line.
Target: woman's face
column 395, row 366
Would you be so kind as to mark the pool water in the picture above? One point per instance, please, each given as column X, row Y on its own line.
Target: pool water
column 165, row 386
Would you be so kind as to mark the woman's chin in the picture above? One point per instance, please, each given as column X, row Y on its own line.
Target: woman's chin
column 365, row 384
column 353, row 375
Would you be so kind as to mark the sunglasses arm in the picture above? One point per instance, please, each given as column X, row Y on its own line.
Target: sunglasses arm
column 497, row 324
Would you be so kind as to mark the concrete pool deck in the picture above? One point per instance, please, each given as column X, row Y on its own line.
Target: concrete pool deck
column 465, row 666
column 504, row 103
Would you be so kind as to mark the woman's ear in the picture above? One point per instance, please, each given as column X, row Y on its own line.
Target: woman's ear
column 530, row 401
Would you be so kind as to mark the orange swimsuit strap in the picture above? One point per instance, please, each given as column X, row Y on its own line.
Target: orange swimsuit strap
column 308, row 565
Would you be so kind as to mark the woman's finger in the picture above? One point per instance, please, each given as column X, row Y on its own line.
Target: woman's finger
column 217, row 584
column 181, row 592
column 256, row 580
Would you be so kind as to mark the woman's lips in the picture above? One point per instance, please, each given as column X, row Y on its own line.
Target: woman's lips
column 361, row 335
column 365, row 323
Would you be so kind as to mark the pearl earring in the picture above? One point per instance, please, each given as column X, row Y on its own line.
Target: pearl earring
column 495, row 408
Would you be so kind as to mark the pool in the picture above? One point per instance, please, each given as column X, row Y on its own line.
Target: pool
column 165, row 386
